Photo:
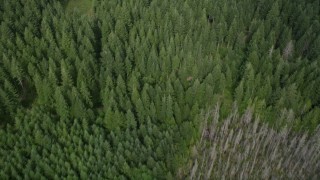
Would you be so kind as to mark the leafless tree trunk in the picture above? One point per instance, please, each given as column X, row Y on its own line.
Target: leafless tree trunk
column 244, row 148
column 288, row 50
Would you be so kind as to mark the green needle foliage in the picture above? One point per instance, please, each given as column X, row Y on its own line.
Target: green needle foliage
column 114, row 89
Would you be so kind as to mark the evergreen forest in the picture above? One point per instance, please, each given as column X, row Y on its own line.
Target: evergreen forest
column 159, row 89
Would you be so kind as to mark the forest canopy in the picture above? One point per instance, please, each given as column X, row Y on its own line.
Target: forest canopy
column 116, row 89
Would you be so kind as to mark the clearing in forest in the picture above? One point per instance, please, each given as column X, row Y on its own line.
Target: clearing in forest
column 83, row 6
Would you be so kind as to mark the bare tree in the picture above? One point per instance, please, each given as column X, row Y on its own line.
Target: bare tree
column 244, row 148
column 288, row 50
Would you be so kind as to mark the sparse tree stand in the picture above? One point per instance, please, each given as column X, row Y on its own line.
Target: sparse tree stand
column 242, row 147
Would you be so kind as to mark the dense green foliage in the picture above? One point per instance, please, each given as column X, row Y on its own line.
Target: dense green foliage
column 118, row 92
